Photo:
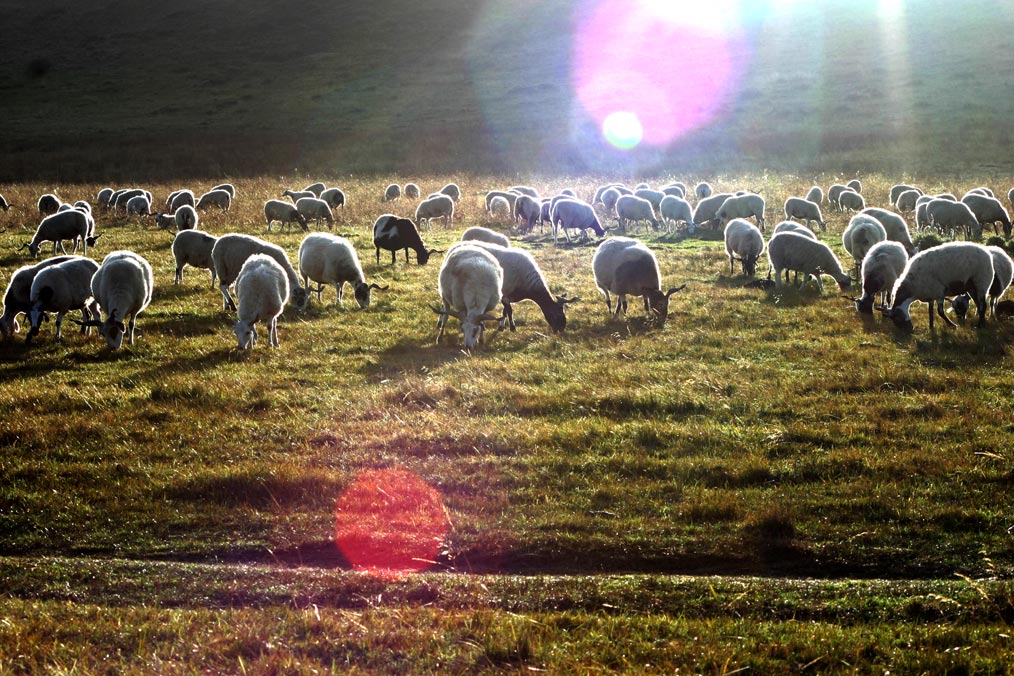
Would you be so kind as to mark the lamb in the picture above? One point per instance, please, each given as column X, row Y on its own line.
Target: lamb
column 499, row 206
column 907, row 200
column 61, row 288
column 625, row 266
column 523, row 280
column 227, row 187
column 393, row 234
column 816, row 195
column 411, row 191
column 122, row 286
column 988, row 210
column 674, row 209
column 18, row 297
column 708, row 207
column 898, row 189
column 743, row 240
column 951, row 268
column 862, row 233
column 742, row 206
column 633, row 208
column 295, row 195
column 49, row 204
column 703, row 190
column 883, row 265
column 803, row 209
column 653, row 196
column 336, row 198
column 316, row 188
column 850, row 200
column 948, row 216
column 73, row 225
column 193, row 247
column 215, row 198
column 183, row 198
column 263, row 290
column 139, row 205
column 452, row 190
column 573, row 214
column 855, row 185
column 894, row 225
column 186, row 218
column 330, row 259
column 529, row 210
column 470, row 286
column 441, row 206
column 792, row 251
column 392, row 192
column 232, row 250
column 315, row 208
column 285, row 213
column 480, row 234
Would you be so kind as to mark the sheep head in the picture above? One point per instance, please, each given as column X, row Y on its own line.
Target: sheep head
column 246, row 334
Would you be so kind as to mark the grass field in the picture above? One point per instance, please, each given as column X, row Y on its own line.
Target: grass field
column 171, row 506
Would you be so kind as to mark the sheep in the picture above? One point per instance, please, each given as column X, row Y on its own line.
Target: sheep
column 988, row 210
column 674, row 189
column 411, row 191
column 330, row 259
column 164, row 221
column 703, row 190
column 951, row 268
column 499, row 206
column 102, row 199
column 169, row 199
column 948, row 216
column 855, row 185
column 61, row 288
column 316, row 188
column 792, row 226
column 1010, row 195
column 862, row 232
column 227, row 187
column 111, row 202
column 815, row 195
column 511, row 198
column 653, row 196
column 80, row 205
column 263, row 290
column 392, row 193
column 640, row 186
column 907, row 200
column 296, row 195
column 633, row 208
column 899, row 188
column 122, row 287
column 545, row 212
column 894, row 225
column 832, row 195
column 452, row 190
column 186, row 218
column 193, row 247
column 229, row 254
column 523, row 280
column 470, row 284
column 792, row 251
column 121, row 199
column 1003, row 272
column 882, row 266
column 215, row 198
column 850, row 200
column 285, row 213
column 803, row 209
column 742, row 206
column 981, row 190
column 18, row 296
column 336, row 198
column 573, row 214
column 527, row 209
column 674, row 209
column 441, row 206
column 743, row 240
column 480, row 234
column 625, row 266
column 49, row 204
column 708, row 207
column 139, row 205
column 609, row 199
column 922, row 217
column 73, row 225
column 525, row 190
column 393, row 234
column 317, row 209
column 183, row 198
column 597, row 197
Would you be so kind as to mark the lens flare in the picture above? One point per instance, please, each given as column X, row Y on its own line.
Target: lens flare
column 623, row 130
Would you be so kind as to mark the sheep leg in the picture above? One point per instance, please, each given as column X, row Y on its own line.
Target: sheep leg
column 227, row 302
column 609, row 303
column 732, row 265
column 940, row 311
column 980, row 307
column 508, row 314
column 273, row 333
column 59, row 323
column 213, row 276
column 441, row 322
column 406, row 257
column 338, row 286
column 179, row 275
column 133, row 319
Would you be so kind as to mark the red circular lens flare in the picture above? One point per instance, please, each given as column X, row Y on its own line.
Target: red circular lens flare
column 390, row 521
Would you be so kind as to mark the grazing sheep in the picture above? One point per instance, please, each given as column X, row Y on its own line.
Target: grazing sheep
column 640, row 186
column 193, row 247
column 392, row 193
column 485, row 235
column 316, row 188
column 412, row 191
column 232, row 250
column 73, row 225
column 393, row 234
column 1010, row 195
column 510, row 197
column 792, row 251
column 285, row 213
column 330, row 259
column 499, row 206
column 181, row 199
column 262, row 288
column 452, row 190
column 227, row 187
column 981, row 190
column 931, row 275
column 573, row 214
column 441, row 206
column 215, row 198
column 792, row 226
column 470, row 286
column 850, row 200
column 708, row 207
column 102, row 199
column 855, row 185
column 186, row 218
column 832, row 195
column 609, row 199
column 742, row 206
column 529, row 210
column 816, row 195
column 49, row 204
column 1003, row 272
column 675, row 189
column 80, row 205
column 862, row 232
column 922, row 221
column 674, row 209
column 625, row 266
column 803, row 209
column 894, row 225
column 139, row 205
column 653, row 196
column 948, row 216
column 525, row 190
column 122, row 287
column 882, row 266
column 61, row 288
column 336, row 198
column 633, row 208
column 907, row 200
column 743, row 240
column 296, row 195
column 988, row 210
column 703, row 190
column 317, row 209
column 18, row 297
column 597, row 197
column 121, row 197
column 164, row 221
column 899, row 188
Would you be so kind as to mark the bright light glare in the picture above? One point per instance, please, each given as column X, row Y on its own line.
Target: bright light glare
column 623, row 130
column 890, row 9
column 712, row 16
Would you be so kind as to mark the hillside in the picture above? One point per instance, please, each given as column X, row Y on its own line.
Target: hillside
column 117, row 88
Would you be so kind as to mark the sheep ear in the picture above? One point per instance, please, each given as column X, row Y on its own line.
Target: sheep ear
column 674, row 290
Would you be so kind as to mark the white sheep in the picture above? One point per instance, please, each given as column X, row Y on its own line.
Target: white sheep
column 215, row 198
column 633, row 209
column 285, row 213
column 674, row 209
column 675, row 189
column 481, row 234
column 832, row 195
column 988, row 210
column 182, row 198
column 227, row 187
column 609, row 198
column 703, row 190
column 981, row 190
column 883, row 265
column 122, row 197
column 573, row 214
column 186, row 218
column 744, row 241
column 296, row 195
column 262, row 288
column 742, row 206
column 653, row 196
column 850, row 200
column 18, row 296
column 316, row 188
column 954, row 267
column 72, row 225
column 792, row 226
column 862, row 232
column 525, row 190
column 139, row 205
column 899, row 188
column 815, row 195
column 803, row 209
column 440, row 206
column 232, row 250
column 527, row 209
column 855, row 185
column 61, row 288
column 452, row 190
column 908, row 200
column 708, row 207
column 193, row 247
column 164, row 221
column 102, row 199
column 894, row 225
column 49, row 204
column 510, row 197
column 470, row 286
column 411, row 191
column 499, row 206
column 315, row 208
column 792, row 251
column 1003, row 273
column 626, row 267
column 948, row 216
column 122, row 287
column 334, row 197
column 392, row 192
column 1010, row 196
column 330, row 259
